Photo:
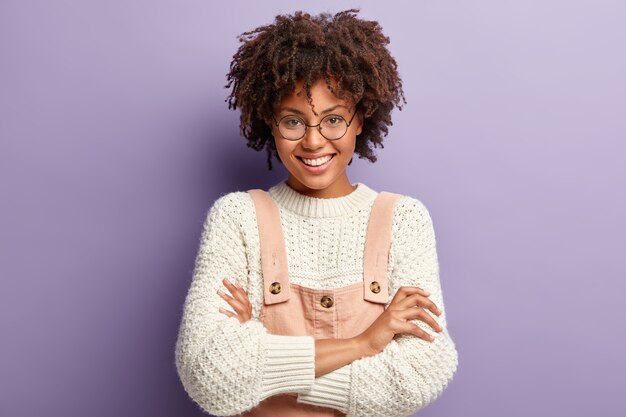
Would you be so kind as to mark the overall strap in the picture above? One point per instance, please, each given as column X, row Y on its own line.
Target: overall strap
column 273, row 255
column 377, row 244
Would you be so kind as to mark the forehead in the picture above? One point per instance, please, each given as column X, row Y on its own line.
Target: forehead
column 321, row 96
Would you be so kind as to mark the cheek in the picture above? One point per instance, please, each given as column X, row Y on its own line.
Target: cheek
column 283, row 148
column 349, row 147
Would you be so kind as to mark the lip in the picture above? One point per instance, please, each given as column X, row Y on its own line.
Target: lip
column 315, row 156
column 318, row 169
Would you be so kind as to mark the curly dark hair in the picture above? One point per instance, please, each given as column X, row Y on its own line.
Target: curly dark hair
column 352, row 51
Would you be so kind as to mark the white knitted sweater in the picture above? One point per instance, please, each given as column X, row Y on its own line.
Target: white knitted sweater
column 228, row 367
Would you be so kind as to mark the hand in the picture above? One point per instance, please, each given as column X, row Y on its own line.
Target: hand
column 406, row 304
column 240, row 302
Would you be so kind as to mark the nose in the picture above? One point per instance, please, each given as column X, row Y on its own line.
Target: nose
column 313, row 139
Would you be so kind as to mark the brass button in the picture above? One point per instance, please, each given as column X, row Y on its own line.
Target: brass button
column 327, row 301
column 275, row 287
column 375, row 287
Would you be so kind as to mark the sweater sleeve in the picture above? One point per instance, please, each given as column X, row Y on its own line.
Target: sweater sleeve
column 410, row 372
column 225, row 366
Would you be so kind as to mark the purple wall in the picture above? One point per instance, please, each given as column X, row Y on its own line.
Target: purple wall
column 115, row 141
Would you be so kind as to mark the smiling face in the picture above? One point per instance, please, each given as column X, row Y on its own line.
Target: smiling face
column 328, row 179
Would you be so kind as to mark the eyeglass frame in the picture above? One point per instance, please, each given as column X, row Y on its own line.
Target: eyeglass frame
column 318, row 126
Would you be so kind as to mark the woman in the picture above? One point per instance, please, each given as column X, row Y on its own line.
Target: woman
column 318, row 297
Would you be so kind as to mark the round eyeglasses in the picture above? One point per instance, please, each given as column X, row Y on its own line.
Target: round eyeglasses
column 332, row 127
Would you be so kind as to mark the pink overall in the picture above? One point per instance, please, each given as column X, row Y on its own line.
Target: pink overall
column 334, row 313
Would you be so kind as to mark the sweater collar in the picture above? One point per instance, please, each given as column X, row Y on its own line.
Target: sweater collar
column 307, row 206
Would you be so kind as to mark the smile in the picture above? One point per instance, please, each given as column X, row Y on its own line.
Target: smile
column 318, row 161
column 316, row 165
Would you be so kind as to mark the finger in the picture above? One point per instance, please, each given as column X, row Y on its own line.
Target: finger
column 421, row 314
column 226, row 312
column 420, row 300
column 415, row 330
column 238, row 294
column 236, row 304
column 237, row 291
column 406, row 291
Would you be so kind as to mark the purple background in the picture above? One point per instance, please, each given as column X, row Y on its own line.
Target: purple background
column 115, row 141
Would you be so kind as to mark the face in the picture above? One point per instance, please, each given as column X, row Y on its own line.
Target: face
column 328, row 180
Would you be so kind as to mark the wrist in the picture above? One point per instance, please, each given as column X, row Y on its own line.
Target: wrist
column 362, row 345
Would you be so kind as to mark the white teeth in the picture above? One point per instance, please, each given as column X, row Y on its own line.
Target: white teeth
column 318, row 161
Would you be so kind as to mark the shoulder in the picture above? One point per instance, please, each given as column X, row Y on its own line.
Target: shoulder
column 412, row 224
column 410, row 210
column 230, row 207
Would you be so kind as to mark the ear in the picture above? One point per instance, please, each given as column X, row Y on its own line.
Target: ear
column 360, row 121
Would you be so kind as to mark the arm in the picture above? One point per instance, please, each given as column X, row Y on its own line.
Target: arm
column 225, row 366
column 410, row 372
column 331, row 354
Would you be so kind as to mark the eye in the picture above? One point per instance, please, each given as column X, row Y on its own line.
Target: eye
column 291, row 122
column 333, row 121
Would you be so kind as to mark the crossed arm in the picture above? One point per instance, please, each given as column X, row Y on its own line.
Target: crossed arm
column 412, row 371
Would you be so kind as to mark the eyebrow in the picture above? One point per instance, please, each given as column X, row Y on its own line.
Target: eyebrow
column 294, row 110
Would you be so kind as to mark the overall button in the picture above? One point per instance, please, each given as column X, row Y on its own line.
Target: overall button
column 275, row 287
column 327, row 301
column 375, row 287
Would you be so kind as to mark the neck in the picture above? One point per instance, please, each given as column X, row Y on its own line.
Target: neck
column 339, row 188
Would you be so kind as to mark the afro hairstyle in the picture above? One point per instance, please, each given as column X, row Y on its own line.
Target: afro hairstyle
column 352, row 51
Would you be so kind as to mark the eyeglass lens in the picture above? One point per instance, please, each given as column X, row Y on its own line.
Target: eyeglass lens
column 331, row 127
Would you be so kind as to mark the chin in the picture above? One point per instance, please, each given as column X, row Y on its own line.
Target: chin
column 318, row 182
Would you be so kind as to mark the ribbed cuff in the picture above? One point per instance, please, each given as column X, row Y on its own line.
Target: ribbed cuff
column 330, row 390
column 290, row 365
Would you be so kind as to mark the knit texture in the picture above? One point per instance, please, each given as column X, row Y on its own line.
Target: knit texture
column 228, row 367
